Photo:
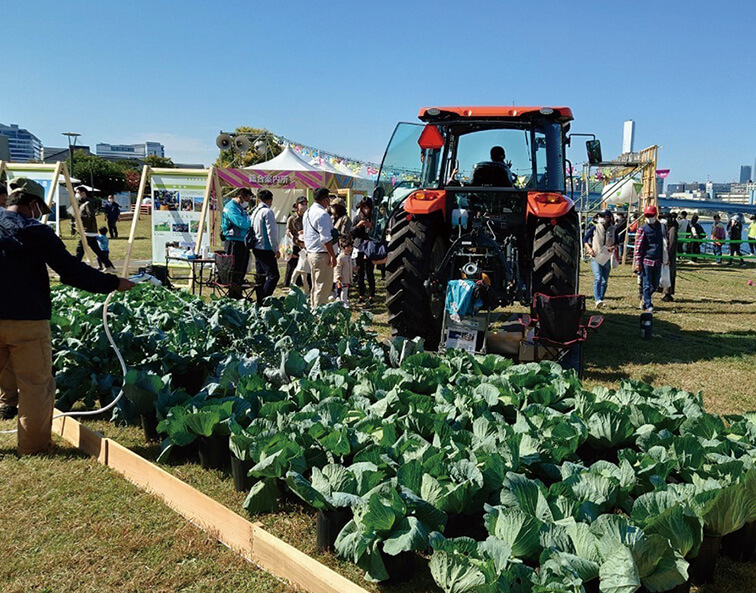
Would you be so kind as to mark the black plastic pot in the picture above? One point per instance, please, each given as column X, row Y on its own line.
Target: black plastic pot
column 328, row 525
column 213, row 452
column 149, row 426
column 400, row 568
column 458, row 525
column 684, row 588
column 741, row 545
column 239, row 470
column 589, row 455
column 591, row 586
column 191, row 380
column 702, row 567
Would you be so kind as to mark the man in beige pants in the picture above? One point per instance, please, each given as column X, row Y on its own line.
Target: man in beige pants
column 27, row 247
column 318, row 239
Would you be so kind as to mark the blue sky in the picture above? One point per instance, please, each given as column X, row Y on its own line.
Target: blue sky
column 339, row 75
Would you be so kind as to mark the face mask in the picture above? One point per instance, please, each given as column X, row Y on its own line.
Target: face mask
column 602, row 221
column 651, row 219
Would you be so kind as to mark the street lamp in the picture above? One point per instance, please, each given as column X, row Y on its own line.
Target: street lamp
column 72, row 137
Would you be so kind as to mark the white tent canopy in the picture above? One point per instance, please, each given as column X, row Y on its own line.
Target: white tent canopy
column 288, row 160
column 324, row 165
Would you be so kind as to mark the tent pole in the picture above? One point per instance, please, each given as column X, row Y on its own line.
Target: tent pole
column 135, row 219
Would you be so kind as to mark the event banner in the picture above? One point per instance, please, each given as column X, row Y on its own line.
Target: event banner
column 45, row 179
column 176, row 212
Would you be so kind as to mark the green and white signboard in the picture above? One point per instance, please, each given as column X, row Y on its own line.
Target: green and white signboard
column 177, row 211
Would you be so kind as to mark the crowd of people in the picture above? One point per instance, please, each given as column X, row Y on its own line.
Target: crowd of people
column 325, row 248
column 660, row 238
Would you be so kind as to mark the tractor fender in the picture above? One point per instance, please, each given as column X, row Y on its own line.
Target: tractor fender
column 425, row 201
column 548, row 204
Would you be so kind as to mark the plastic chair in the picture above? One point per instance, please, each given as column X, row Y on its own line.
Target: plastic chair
column 220, row 279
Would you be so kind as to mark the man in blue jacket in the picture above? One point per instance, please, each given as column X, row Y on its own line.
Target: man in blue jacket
column 27, row 247
column 235, row 224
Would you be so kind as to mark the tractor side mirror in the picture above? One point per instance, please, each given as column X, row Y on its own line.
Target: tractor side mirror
column 593, row 148
column 378, row 194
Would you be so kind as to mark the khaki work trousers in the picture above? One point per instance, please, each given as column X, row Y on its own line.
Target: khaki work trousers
column 322, row 278
column 25, row 347
column 8, row 387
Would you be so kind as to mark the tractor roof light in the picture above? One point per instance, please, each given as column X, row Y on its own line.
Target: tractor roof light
column 433, row 111
column 546, row 111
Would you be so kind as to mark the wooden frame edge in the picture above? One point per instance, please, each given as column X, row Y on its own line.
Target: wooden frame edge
column 248, row 539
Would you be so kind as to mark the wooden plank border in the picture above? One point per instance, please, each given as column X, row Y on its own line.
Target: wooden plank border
column 244, row 537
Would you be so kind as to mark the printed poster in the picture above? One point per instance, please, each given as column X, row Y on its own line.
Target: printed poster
column 45, row 179
column 176, row 212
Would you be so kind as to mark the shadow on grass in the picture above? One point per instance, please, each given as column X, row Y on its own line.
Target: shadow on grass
column 619, row 339
column 55, row 452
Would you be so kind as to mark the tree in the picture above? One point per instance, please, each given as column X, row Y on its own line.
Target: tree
column 133, row 177
column 159, row 162
column 106, row 176
column 231, row 158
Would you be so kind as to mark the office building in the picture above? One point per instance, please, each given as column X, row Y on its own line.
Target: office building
column 54, row 154
column 115, row 152
column 745, row 174
column 22, row 144
column 4, row 149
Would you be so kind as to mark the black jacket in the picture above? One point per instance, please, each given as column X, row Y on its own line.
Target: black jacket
column 88, row 213
column 27, row 247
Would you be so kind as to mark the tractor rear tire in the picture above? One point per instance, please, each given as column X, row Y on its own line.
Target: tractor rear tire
column 556, row 255
column 416, row 248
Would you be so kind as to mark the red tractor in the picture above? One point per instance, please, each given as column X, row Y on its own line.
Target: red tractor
column 477, row 193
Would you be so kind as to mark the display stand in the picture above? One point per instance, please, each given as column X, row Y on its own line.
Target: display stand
column 210, row 184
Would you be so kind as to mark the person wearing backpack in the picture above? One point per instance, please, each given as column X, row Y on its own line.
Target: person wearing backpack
column 265, row 247
column 717, row 235
column 235, row 224
column 649, row 255
column 362, row 226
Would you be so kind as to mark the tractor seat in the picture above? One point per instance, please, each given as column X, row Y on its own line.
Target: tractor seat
column 491, row 173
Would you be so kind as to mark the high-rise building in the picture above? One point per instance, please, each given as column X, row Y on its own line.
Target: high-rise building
column 22, row 144
column 745, row 174
column 130, row 151
column 4, row 148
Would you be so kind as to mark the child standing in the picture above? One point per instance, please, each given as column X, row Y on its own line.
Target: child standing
column 344, row 270
column 104, row 243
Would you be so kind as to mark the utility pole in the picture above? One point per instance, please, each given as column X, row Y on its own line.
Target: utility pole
column 72, row 137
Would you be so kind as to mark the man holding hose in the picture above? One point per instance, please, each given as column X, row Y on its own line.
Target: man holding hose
column 27, row 247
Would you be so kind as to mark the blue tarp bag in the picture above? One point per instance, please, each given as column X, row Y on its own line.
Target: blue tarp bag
column 460, row 299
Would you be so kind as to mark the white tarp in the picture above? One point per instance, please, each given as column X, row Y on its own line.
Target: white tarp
column 288, row 160
column 624, row 191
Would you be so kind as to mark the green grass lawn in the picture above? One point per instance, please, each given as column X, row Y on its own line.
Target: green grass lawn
column 73, row 525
